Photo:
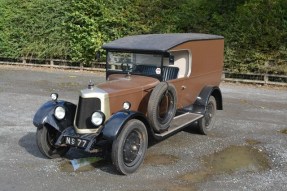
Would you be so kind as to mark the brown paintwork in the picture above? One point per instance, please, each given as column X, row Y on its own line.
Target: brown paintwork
column 135, row 89
column 206, row 69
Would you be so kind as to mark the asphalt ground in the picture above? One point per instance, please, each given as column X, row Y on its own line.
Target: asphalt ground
column 247, row 149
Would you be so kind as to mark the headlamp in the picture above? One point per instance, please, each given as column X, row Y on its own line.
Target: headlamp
column 60, row 113
column 98, row 118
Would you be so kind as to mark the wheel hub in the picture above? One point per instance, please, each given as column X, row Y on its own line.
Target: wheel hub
column 132, row 147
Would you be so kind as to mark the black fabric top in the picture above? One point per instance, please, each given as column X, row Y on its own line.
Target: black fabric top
column 156, row 42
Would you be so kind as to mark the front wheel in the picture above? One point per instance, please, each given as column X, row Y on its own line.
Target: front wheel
column 129, row 148
column 46, row 138
column 206, row 123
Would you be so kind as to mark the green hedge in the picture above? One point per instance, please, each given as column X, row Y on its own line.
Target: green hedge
column 255, row 31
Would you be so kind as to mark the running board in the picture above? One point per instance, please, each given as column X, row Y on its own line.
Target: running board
column 179, row 122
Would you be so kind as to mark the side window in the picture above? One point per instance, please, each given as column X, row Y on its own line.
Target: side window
column 147, row 59
column 182, row 60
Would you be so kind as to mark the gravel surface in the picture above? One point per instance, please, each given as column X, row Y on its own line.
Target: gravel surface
column 246, row 151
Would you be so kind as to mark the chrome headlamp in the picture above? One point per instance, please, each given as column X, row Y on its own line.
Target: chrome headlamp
column 60, row 113
column 98, row 118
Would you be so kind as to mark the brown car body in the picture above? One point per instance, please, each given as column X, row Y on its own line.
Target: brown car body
column 156, row 84
column 207, row 65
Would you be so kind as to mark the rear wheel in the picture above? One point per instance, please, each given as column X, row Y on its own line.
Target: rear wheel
column 46, row 138
column 129, row 148
column 206, row 123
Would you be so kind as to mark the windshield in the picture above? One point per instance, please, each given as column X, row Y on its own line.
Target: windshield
column 134, row 63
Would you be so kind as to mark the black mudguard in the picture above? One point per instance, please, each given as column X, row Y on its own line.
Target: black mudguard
column 202, row 99
column 45, row 115
column 117, row 121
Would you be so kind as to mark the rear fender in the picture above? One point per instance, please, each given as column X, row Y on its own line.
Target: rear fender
column 202, row 100
column 117, row 121
column 45, row 115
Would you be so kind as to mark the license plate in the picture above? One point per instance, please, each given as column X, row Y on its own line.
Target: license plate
column 77, row 142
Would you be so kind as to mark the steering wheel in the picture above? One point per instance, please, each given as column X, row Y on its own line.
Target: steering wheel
column 126, row 67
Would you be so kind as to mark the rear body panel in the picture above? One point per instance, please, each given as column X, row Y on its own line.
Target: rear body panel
column 206, row 67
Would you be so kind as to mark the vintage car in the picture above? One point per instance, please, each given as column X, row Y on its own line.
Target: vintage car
column 156, row 84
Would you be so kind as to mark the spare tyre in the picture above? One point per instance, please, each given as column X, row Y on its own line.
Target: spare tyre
column 162, row 106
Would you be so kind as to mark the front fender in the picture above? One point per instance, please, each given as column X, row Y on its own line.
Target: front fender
column 117, row 121
column 45, row 115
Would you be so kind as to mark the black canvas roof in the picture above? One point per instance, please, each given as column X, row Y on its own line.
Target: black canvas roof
column 156, row 42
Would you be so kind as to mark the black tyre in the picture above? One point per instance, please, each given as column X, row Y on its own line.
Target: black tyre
column 162, row 106
column 46, row 138
column 129, row 148
column 206, row 123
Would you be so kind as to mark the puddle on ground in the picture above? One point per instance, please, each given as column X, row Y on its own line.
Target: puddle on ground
column 66, row 166
column 284, row 131
column 236, row 158
column 160, row 159
column 252, row 142
column 229, row 160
